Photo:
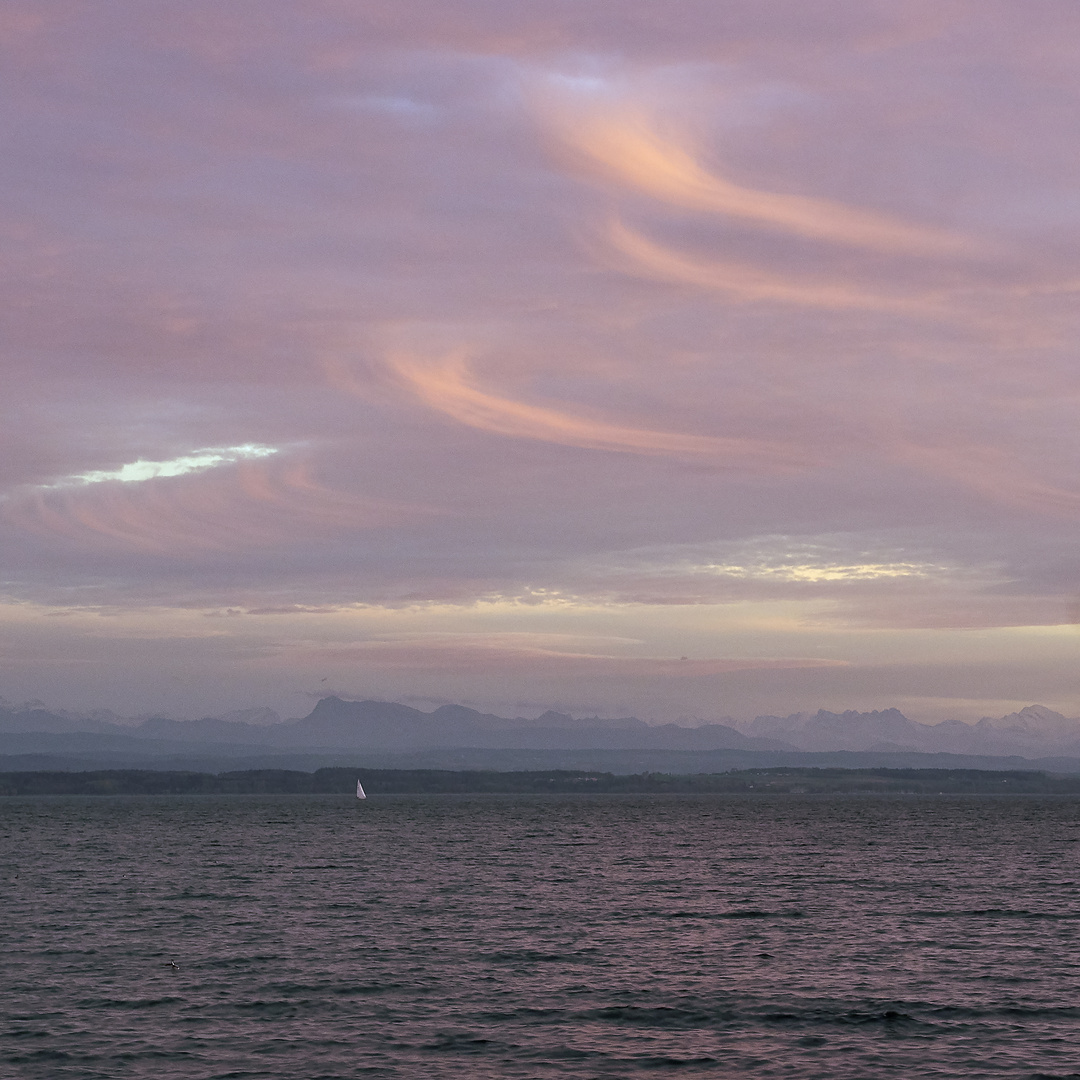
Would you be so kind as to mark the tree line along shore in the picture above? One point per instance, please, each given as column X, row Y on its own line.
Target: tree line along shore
column 342, row 781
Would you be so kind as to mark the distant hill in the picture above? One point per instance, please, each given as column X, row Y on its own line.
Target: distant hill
column 336, row 731
column 388, row 726
column 1033, row 730
column 381, row 725
column 382, row 782
column 35, row 717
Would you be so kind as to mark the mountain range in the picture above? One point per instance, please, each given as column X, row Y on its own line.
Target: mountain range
column 337, row 731
column 1034, row 729
column 388, row 726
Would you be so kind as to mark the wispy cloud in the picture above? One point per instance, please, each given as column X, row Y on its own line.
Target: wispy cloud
column 632, row 252
column 447, row 386
column 450, row 654
column 623, row 145
column 138, row 471
column 196, row 510
column 996, row 473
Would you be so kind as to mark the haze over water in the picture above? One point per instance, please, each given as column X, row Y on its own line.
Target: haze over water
column 550, row 936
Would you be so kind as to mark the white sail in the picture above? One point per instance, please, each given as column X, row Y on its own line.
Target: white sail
column 360, row 790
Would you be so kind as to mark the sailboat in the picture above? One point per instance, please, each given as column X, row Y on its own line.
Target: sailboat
column 360, row 790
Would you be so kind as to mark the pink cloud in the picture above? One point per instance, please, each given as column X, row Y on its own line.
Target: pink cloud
column 625, row 147
column 448, row 387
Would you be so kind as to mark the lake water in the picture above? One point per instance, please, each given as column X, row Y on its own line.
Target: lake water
column 539, row 936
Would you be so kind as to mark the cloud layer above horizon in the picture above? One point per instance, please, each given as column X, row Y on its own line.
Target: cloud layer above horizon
column 704, row 360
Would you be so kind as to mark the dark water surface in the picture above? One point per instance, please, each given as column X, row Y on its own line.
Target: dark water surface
column 539, row 936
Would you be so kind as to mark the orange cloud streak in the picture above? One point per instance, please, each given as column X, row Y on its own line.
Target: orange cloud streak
column 446, row 388
column 995, row 474
column 649, row 259
column 624, row 147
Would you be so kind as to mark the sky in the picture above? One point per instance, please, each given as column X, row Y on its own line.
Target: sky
column 684, row 360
